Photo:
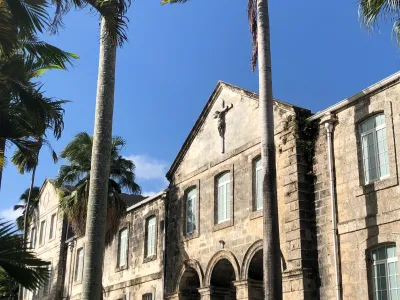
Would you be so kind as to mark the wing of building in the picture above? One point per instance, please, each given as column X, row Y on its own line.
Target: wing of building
column 338, row 201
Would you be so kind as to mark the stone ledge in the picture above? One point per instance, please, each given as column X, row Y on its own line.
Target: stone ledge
column 132, row 282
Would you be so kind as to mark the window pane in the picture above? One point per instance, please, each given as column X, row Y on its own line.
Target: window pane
column 79, row 265
column 151, row 227
column 191, row 211
column 42, row 224
column 123, row 244
column 52, row 224
column 391, row 251
column 258, row 187
column 382, row 253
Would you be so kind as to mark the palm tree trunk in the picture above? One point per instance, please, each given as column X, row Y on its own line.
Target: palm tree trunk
column 100, row 168
column 2, row 157
column 271, row 247
column 27, row 211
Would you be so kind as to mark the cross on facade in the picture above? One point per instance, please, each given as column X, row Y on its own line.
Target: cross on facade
column 220, row 115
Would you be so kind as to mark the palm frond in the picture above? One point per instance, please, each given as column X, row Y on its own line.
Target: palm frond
column 18, row 261
column 252, row 17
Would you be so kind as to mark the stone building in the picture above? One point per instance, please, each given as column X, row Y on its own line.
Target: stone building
column 338, row 203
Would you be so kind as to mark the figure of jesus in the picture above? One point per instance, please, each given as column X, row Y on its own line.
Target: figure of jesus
column 221, row 118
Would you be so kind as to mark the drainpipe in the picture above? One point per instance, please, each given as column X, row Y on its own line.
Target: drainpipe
column 329, row 129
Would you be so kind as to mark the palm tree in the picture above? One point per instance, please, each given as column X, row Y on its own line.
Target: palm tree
column 18, row 261
column 371, row 11
column 34, row 202
column 112, row 34
column 25, row 113
column 259, row 27
column 8, row 286
column 75, row 178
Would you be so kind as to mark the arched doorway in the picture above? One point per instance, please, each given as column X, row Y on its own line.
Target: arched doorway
column 255, row 276
column 222, row 278
column 189, row 285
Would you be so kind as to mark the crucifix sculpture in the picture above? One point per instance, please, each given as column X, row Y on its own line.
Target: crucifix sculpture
column 220, row 115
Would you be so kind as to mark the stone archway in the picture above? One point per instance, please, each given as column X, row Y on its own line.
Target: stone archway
column 222, row 272
column 222, row 281
column 251, row 284
column 189, row 281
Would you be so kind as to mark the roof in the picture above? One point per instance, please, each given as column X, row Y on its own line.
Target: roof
column 203, row 115
column 147, row 200
column 345, row 102
column 130, row 200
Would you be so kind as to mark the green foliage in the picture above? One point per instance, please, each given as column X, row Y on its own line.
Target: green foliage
column 371, row 11
column 33, row 204
column 73, row 181
column 18, row 261
column 8, row 286
column 307, row 132
column 114, row 12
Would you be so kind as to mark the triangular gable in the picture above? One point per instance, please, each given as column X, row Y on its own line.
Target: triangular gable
column 204, row 114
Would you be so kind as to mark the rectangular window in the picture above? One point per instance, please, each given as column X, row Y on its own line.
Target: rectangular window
column 123, row 247
column 47, row 283
column 33, row 238
column 52, row 226
column 151, row 236
column 191, row 211
column 79, row 264
column 258, row 185
column 223, row 195
column 386, row 273
column 374, row 148
column 147, row 297
column 41, row 233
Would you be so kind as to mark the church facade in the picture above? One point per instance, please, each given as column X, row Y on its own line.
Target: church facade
column 201, row 238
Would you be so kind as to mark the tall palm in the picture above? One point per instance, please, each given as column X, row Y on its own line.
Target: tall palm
column 112, row 34
column 259, row 27
column 75, row 178
column 34, row 202
column 371, row 11
column 18, row 261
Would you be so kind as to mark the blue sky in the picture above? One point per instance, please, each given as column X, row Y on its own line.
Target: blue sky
column 174, row 58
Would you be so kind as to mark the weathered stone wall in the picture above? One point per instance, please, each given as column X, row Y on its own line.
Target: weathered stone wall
column 368, row 215
column 142, row 275
column 240, row 238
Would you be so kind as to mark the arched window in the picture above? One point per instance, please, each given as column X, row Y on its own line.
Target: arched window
column 191, row 199
column 223, row 194
column 151, row 236
column 386, row 273
column 257, row 185
column 374, row 148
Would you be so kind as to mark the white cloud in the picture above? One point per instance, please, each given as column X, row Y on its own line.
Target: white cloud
column 148, row 168
column 9, row 214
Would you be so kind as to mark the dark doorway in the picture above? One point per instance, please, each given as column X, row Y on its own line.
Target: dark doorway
column 222, row 278
column 189, row 285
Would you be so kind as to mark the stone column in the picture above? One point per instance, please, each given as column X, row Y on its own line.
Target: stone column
column 205, row 293
column 242, row 289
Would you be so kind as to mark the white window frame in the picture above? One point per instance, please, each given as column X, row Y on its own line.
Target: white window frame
column 52, row 226
column 385, row 262
column 375, row 143
column 123, row 248
column 224, row 204
column 258, row 199
column 151, row 232
column 191, row 197
column 79, row 261
column 42, row 232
